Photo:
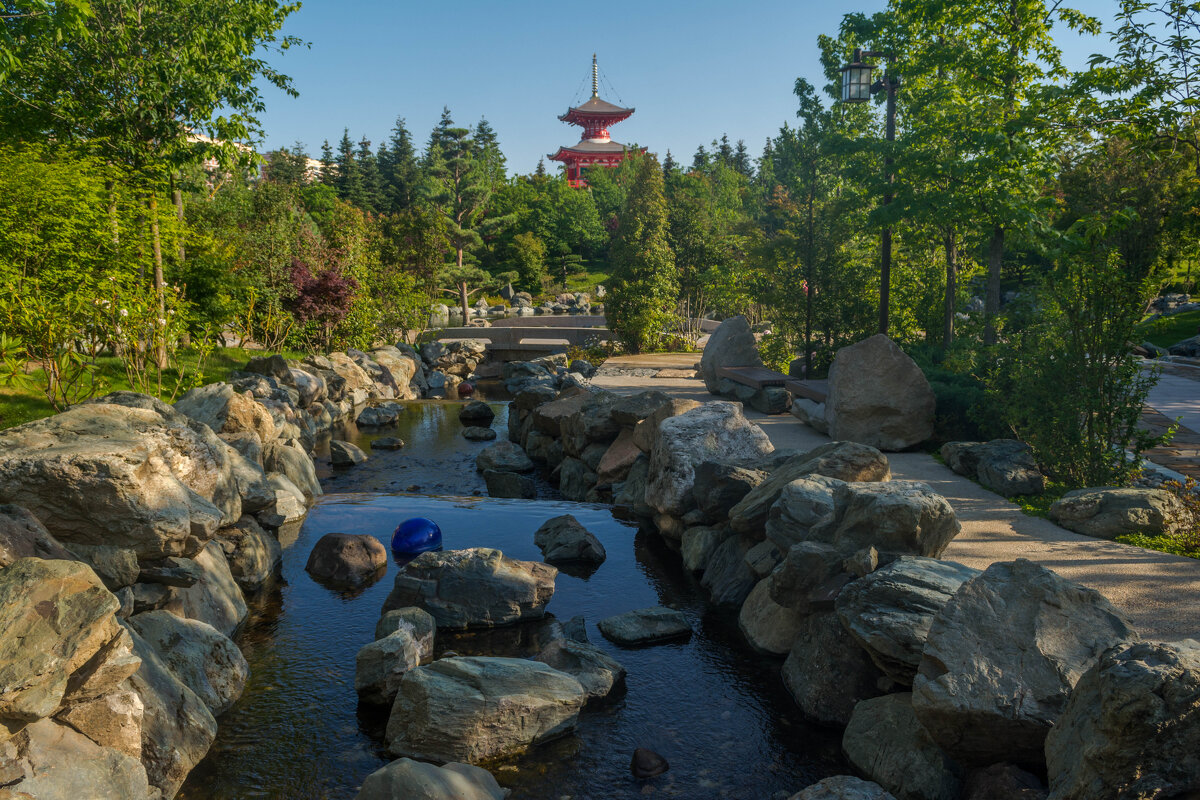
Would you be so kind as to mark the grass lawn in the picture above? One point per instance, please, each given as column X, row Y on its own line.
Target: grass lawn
column 1169, row 330
column 20, row 404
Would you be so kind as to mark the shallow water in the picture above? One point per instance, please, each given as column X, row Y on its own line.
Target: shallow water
column 719, row 714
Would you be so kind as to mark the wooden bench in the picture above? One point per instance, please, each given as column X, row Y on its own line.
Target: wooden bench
column 754, row 377
column 816, row 391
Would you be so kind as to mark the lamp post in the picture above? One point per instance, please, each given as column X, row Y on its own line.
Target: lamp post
column 858, row 88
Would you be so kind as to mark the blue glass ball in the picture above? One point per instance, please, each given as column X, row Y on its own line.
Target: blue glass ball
column 416, row 535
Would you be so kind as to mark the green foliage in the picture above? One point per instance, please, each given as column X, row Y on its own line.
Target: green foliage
column 643, row 285
column 1166, row 331
column 529, row 260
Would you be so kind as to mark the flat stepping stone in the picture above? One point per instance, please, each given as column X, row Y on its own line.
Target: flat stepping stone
column 478, row 434
column 387, row 443
column 645, row 626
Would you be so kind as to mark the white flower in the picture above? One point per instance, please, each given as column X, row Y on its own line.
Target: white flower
column 170, row 313
column 124, row 312
column 162, row 321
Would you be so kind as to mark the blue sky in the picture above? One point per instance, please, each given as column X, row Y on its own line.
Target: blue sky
column 693, row 70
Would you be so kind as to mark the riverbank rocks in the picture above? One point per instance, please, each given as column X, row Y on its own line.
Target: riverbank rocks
column 296, row 465
column 564, row 539
column 732, row 344
column 215, row 598
column 1006, row 466
column 503, row 457
column 801, row 505
column 646, row 431
column 843, row 787
column 387, row 443
column 885, row 742
column 1002, row 658
column 878, row 396
column 476, row 413
column 381, row 664
column 708, row 432
column 897, row 517
column 201, row 657
column 768, row 626
column 475, row 588
column 1110, row 512
column 54, row 617
column 347, row 559
column 253, row 554
column 379, row 416
column 110, row 474
column 891, row 610
column 221, row 408
column 597, row 671
column 418, row 622
column 405, row 779
column 719, row 486
column 1132, row 726
column 22, row 536
column 645, row 626
column 826, row 672
column 345, row 454
column 54, row 762
column 472, row 709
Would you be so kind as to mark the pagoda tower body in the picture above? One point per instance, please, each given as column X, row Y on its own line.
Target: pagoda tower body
column 595, row 147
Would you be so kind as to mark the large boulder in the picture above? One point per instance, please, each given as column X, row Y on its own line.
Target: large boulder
column 564, row 539
column 878, row 396
column 102, row 473
column 54, row 617
column 1002, row 658
column 216, row 597
column 201, row 657
column 808, row 571
column 899, row 517
column 801, row 505
column 22, row 536
column 1132, row 726
column 843, row 787
column 347, row 559
column 474, row 709
column 732, row 344
column 345, row 454
column 1008, row 468
column 503, row 457
column 296, row 465
column 355, row 376
column 417, row 622
column 226, row 411
column 645, row 626
column 841, row 461
column 618, row 458
column 475, row 588
column 727, row 574
column 646, row 431
column 768, row 626
column 549, row 417
column 884, row 742
column 827, row 672
column 381, row 664
column 1110, row 512
column 405, row 779
column 177, row 727
column 113, row 720
column 54, row 762
column 711, row 431
column 719, row 486
column 597, row 671
column 890, row 611
column 403, row 368
column 628, row 411
column 253, row 554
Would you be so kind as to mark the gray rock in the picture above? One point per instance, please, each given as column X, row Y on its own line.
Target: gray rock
column 474, row 709
column 173, row 571
column 274, row 366
column 802, row 504
column 712, row 431
column 344, row 454
column 719, row 486
column 221, row 408
column 22, row 536
column 476, row 413
column 116, row 566
column 890, row 611
column 575, row 479
column 598, row 672
column 296, row 464
column 811, row 413
column 419, row 624
column 41, row 750
column 563, row 539
column 768, row 626
column 646, row 432
column 381, row 664
column 1003, row 782
column 1188, row 348
column 348, row 559
column 1131, row 728
column 113, row 720
column 885, row 742
column 898, row 517
column 962, row 457
column 1110, row 512
column 632, row 494
column 379, row 416
column 475, row 588
column 826, row 672
column 387, row 443
column 630, row 410
column 216, row 597
column 201, row 657
column 727, row 576
column 732, row 344
column 1008, row 468
column 878, row 396
column 1002, row 658
column 503, row 457
column 476, row 434
column 843, row 787
column 510, row 485
column 807, row 568
column 645, row 626
column 253, row 555
column 405, row 779
column 697, row 546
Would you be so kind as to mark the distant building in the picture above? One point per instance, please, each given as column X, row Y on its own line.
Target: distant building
column 595, row 148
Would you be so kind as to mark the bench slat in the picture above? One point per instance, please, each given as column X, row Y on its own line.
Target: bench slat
column 757, row 377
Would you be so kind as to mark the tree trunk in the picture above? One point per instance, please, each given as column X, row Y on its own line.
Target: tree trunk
column 462, row 296
column 177, row 196
column 951, row 243
column 991, row 304
column 160, row 354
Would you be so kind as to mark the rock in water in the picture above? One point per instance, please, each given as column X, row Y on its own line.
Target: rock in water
column 503, row 457
column 344, row 454
column 843, row 787
column 768, row 626
column 1132, row 726
column 645, row 626
column 732, row 344
column 387, row 443
column 477, row 434
column 474, row 588
column 563, row 539
column 598, row 672
column 827, row 673
column 885, row 742
column 405, row 779
column 476, row 413
column 473, row 709
column 647, row 764
column 716, row 430
column 1002, row 658
column 511, row 485
column 878, row 396
column 349, row 559
column 419, row 624
column 381, row 664
column 201, row 657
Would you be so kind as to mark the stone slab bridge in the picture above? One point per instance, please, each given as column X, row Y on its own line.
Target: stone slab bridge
column 525, row 338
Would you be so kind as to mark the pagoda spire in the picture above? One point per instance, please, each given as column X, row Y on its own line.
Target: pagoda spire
column 595, row 77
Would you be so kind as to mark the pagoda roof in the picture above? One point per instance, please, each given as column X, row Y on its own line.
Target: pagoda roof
column 590, row 148
column 595, row 107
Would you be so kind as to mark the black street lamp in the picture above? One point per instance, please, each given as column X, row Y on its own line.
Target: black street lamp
column 858, row 88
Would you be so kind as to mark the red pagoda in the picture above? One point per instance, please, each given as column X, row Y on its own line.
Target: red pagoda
column 594, row 116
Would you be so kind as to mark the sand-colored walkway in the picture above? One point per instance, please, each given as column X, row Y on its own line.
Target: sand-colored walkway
column 1159, row 592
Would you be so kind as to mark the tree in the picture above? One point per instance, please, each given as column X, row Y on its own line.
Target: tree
column 398, row 172
column 529, row 260
column 328, row 175
column 643, row 285
column 348, row 178
column 372, row 191
column 288, row 166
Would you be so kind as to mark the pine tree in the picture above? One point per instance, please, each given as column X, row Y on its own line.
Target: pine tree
column 700, row 161
column 328, row 165
column 741, row 159
column 642, row 295
column 400, row 177
column 348, row 181
column 724, row 150
column 487, row 153
column 669, row 166
column 437, row 138
column 540, row 172
column 370, row 197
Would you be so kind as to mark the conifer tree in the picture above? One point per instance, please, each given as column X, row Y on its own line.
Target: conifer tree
column 348, row 180
column 644, row 285
column 741, row 159
column 399, row 175
column 370, row 196
column 437, row 138
column 328, row 165
column 669, row 166
column 700, row 159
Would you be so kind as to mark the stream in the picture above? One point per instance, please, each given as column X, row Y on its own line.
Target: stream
column 719, row 713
